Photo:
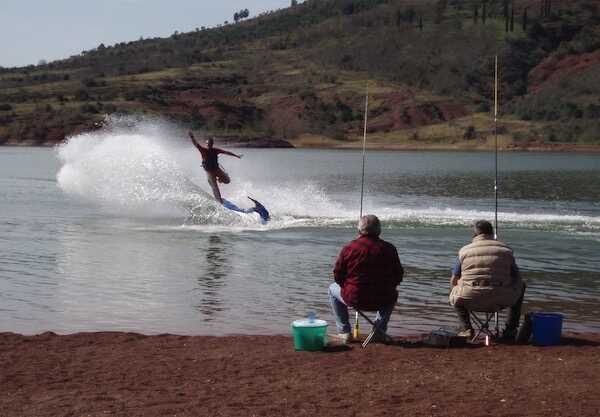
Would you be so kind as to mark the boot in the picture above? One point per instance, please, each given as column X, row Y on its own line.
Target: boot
column 525, row 330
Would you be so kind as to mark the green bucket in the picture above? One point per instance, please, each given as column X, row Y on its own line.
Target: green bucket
column 309, row 334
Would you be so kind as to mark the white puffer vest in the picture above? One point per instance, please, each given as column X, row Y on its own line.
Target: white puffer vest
column 486, row 281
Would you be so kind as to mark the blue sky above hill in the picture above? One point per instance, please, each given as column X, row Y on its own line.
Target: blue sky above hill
column 32, row 30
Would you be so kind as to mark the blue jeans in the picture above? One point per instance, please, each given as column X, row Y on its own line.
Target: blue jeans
column 340, row 311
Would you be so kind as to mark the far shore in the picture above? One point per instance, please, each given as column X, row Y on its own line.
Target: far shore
column 463, row 148
column 317, row 142
column 130, row 375
column 331, row 144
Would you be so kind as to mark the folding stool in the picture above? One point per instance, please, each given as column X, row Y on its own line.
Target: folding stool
column 482, row 323
column 375, row 329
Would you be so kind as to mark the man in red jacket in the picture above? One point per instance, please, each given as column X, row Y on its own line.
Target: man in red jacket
column 366, row 274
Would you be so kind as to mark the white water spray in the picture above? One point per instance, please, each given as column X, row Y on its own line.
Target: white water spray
column 127, row 169
column 148, row 169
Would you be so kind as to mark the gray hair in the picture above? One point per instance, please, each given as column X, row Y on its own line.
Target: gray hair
column 369, row 225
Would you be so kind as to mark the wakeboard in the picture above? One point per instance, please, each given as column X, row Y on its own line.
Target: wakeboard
column 258, row 208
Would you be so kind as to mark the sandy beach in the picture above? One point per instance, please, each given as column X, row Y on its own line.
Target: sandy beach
column 127, row 374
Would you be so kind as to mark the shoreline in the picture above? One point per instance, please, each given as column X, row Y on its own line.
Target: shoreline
column 458, row 147
column 130, row 374
column 545, row 148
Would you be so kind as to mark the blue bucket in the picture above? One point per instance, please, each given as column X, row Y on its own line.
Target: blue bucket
column 547, row 328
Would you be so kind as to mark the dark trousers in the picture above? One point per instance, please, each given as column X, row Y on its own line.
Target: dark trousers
column 512, row 322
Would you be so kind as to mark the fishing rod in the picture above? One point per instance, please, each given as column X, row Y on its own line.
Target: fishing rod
column 496, row 147
column 364, row 151
column 356, row 332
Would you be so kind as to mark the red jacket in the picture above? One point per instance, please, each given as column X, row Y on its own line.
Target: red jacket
column 368, row 269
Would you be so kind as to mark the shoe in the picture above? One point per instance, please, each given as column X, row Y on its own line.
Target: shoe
column 378, row 338
column 524, row 333
column 468, row 333
column 344, row 338
column 508, row 335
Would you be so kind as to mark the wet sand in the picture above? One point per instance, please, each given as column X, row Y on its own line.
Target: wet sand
column 126, row 374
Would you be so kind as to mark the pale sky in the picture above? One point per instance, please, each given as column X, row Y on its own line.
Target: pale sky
column 31, row 30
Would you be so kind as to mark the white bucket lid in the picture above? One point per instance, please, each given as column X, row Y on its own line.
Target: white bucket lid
column 309, row 323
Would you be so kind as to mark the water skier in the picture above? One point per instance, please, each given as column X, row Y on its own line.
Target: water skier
column 210, row 163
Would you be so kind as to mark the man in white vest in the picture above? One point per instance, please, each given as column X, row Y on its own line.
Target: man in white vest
column 486, row 277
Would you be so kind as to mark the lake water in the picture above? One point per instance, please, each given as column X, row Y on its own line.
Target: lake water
column 112, row 231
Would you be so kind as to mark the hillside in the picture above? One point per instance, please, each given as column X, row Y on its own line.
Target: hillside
column 301, row 73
